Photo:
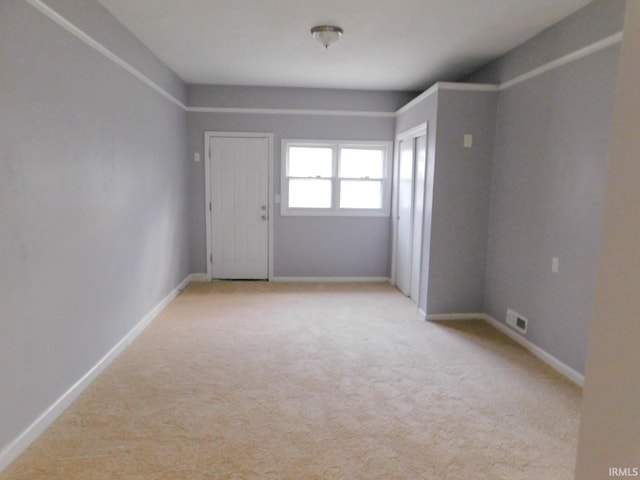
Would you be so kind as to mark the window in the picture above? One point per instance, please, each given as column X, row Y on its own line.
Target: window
column 335, row 178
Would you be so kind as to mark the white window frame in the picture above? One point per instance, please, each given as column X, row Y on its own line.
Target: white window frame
column 335, row 210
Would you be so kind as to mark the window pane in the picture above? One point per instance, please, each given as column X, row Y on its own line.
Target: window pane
column 360, row 194
column 310, row 162
column 309, row 193
column 361, row 163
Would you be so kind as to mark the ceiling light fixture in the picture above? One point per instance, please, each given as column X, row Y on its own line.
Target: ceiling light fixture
column 327, row 34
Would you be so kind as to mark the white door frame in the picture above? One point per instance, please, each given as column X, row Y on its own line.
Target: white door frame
column 414, row 132
column 207, row 173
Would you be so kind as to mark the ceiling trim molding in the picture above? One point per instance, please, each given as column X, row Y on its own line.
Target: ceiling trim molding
column 595, row 47
column 564, row 60
column 90, row 41
column 100, row 48
column 291, row 111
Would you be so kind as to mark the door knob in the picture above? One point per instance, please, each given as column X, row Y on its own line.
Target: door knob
column 263, row 207
column 263, row 217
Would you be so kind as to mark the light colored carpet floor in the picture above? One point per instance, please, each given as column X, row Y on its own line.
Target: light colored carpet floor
column 251, row 380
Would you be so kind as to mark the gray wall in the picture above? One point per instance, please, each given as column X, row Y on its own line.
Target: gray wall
column 93, row 207
column 425, row 111
column 92, row 18
column 461, row 194
column 549, row 173
column 596, row 21
column 457, row 208
column 297, row 98
column 303, row 246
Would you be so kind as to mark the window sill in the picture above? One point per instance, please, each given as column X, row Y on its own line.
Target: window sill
column 332, row 213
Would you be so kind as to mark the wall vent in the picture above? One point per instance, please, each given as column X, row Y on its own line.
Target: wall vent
column 517, row 321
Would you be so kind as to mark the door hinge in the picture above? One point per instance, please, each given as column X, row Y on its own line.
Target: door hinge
column 209, row 206
column 211, row 258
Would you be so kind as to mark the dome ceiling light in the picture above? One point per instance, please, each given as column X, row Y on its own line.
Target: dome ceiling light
column 327, row 34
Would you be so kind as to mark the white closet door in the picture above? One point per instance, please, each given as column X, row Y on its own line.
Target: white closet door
column 405, row 216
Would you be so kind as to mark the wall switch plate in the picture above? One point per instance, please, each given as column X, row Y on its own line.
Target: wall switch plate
column 468, row 140
column 555, row 263
column 196, row 157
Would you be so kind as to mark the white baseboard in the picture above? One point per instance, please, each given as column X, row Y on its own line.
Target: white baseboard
column 452, row 317
column 46, row 418
column 543, row 355
column 331, row 279
column 538, row 352
column 203, row 277
column 198, row 277
column 11, row 451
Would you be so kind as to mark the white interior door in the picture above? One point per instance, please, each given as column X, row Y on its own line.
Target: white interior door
column 239, row 207
column 420, row 156
column 405, row 216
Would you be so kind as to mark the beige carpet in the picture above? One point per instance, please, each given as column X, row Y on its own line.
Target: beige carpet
column 249, row 380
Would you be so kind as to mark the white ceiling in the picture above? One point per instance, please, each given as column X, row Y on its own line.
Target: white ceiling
column 387, row 45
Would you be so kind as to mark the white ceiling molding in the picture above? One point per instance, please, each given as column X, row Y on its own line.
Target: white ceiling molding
column 595, row 47
column 403, row 45
column 90, row 41
column 291, row 111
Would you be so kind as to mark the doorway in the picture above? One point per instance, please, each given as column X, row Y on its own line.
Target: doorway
column 238, row 172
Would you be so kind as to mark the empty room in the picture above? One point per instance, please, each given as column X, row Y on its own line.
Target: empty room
column 340, row 239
